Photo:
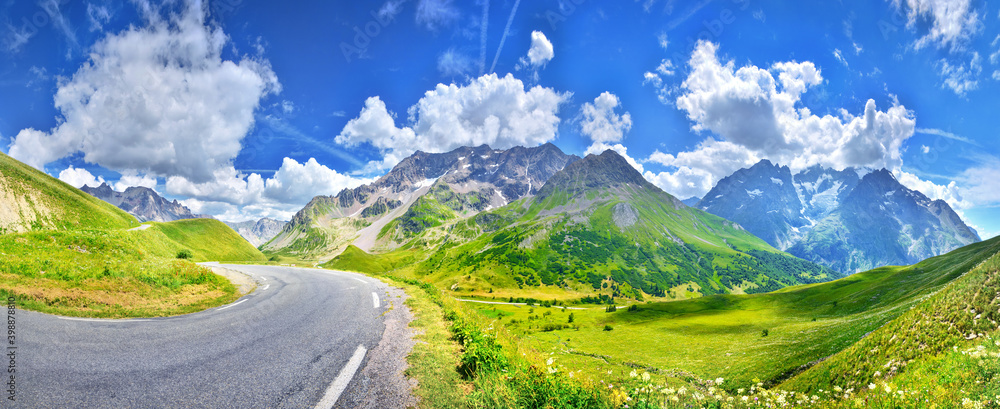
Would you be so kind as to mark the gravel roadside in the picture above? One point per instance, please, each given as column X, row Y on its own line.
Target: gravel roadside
column 383, row 379
column 243, row 282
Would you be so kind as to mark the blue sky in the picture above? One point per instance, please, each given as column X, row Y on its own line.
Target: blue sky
column 243, row 109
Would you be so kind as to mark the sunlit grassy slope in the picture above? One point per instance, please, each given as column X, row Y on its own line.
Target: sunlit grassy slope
column 207, row 239
column 32, row 200
column 723, row 336
column 966, row 310
column 119, row 273
column 63, row 251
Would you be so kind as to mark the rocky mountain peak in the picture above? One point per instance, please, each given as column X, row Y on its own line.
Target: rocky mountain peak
column 607, row 170
column 103, row 190
column 143, row 203
column 763, row 199
column 838, row 218
column 467, row 180
column 258, row 232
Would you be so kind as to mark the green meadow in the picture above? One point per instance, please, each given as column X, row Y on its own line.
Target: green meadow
column 120, row 273
column 806, row 338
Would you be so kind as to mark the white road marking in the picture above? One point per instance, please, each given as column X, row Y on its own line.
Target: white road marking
column 375, row 300
column 338, row 273
column 100, row 320
column 265, row 287
column 343, row 379
column 233, row 304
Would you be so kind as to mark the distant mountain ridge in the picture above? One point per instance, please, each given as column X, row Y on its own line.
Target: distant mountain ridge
column 258, row 232
column 143, row 203
column 838, row 218
column 596, row 226
column 468, row 179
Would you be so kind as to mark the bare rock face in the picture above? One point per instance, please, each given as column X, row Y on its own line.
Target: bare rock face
column 624, row 215
column 143, row 203
column 260, row 231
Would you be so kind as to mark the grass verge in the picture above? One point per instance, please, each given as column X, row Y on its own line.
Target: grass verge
column 461, row 361
column 105, row 274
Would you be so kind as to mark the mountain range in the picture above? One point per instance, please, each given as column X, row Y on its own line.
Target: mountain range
column 383, row 215
column 258, row 232
column 148, row 206
column 848, row 220
column 143, row 203
column 595, row 226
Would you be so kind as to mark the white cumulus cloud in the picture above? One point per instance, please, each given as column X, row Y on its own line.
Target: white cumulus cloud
column 756, row 114
column 606, row 128
column 132, row 178
column 157, row 99
column 698, row 170
column 298, row 182
column 541, row 51
column 950, row 193
column 294, row 184
column 600, row 122
column 160, row 103
column 492, row 110
column 78, row 177
column 952, row 22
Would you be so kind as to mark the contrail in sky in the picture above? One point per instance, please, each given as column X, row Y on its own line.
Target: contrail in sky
column 506, row 31
column 482, row 37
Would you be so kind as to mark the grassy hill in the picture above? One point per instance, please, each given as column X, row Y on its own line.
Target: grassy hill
column 121, row 273
column 959, row 316
column 207, row 239
column 31, row 200
column 893, row 325
column 63, row 251
column 595, row 229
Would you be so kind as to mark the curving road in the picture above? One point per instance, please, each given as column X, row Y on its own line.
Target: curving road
column 295, row 342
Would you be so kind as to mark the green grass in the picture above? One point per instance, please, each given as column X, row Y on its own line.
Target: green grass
column 435, row 356
column 721, row 336
column 355, row 259
column 107, row 274
column 468, row 363
column 66, row 252
column 963, row 311
column 52, row 204
column 894, row 337
column 207, row 239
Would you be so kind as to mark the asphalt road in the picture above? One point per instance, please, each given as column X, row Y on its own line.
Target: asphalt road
column 284, row 345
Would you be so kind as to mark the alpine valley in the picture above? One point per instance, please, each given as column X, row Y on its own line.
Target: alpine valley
column 532, row 221
column 849, row 220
